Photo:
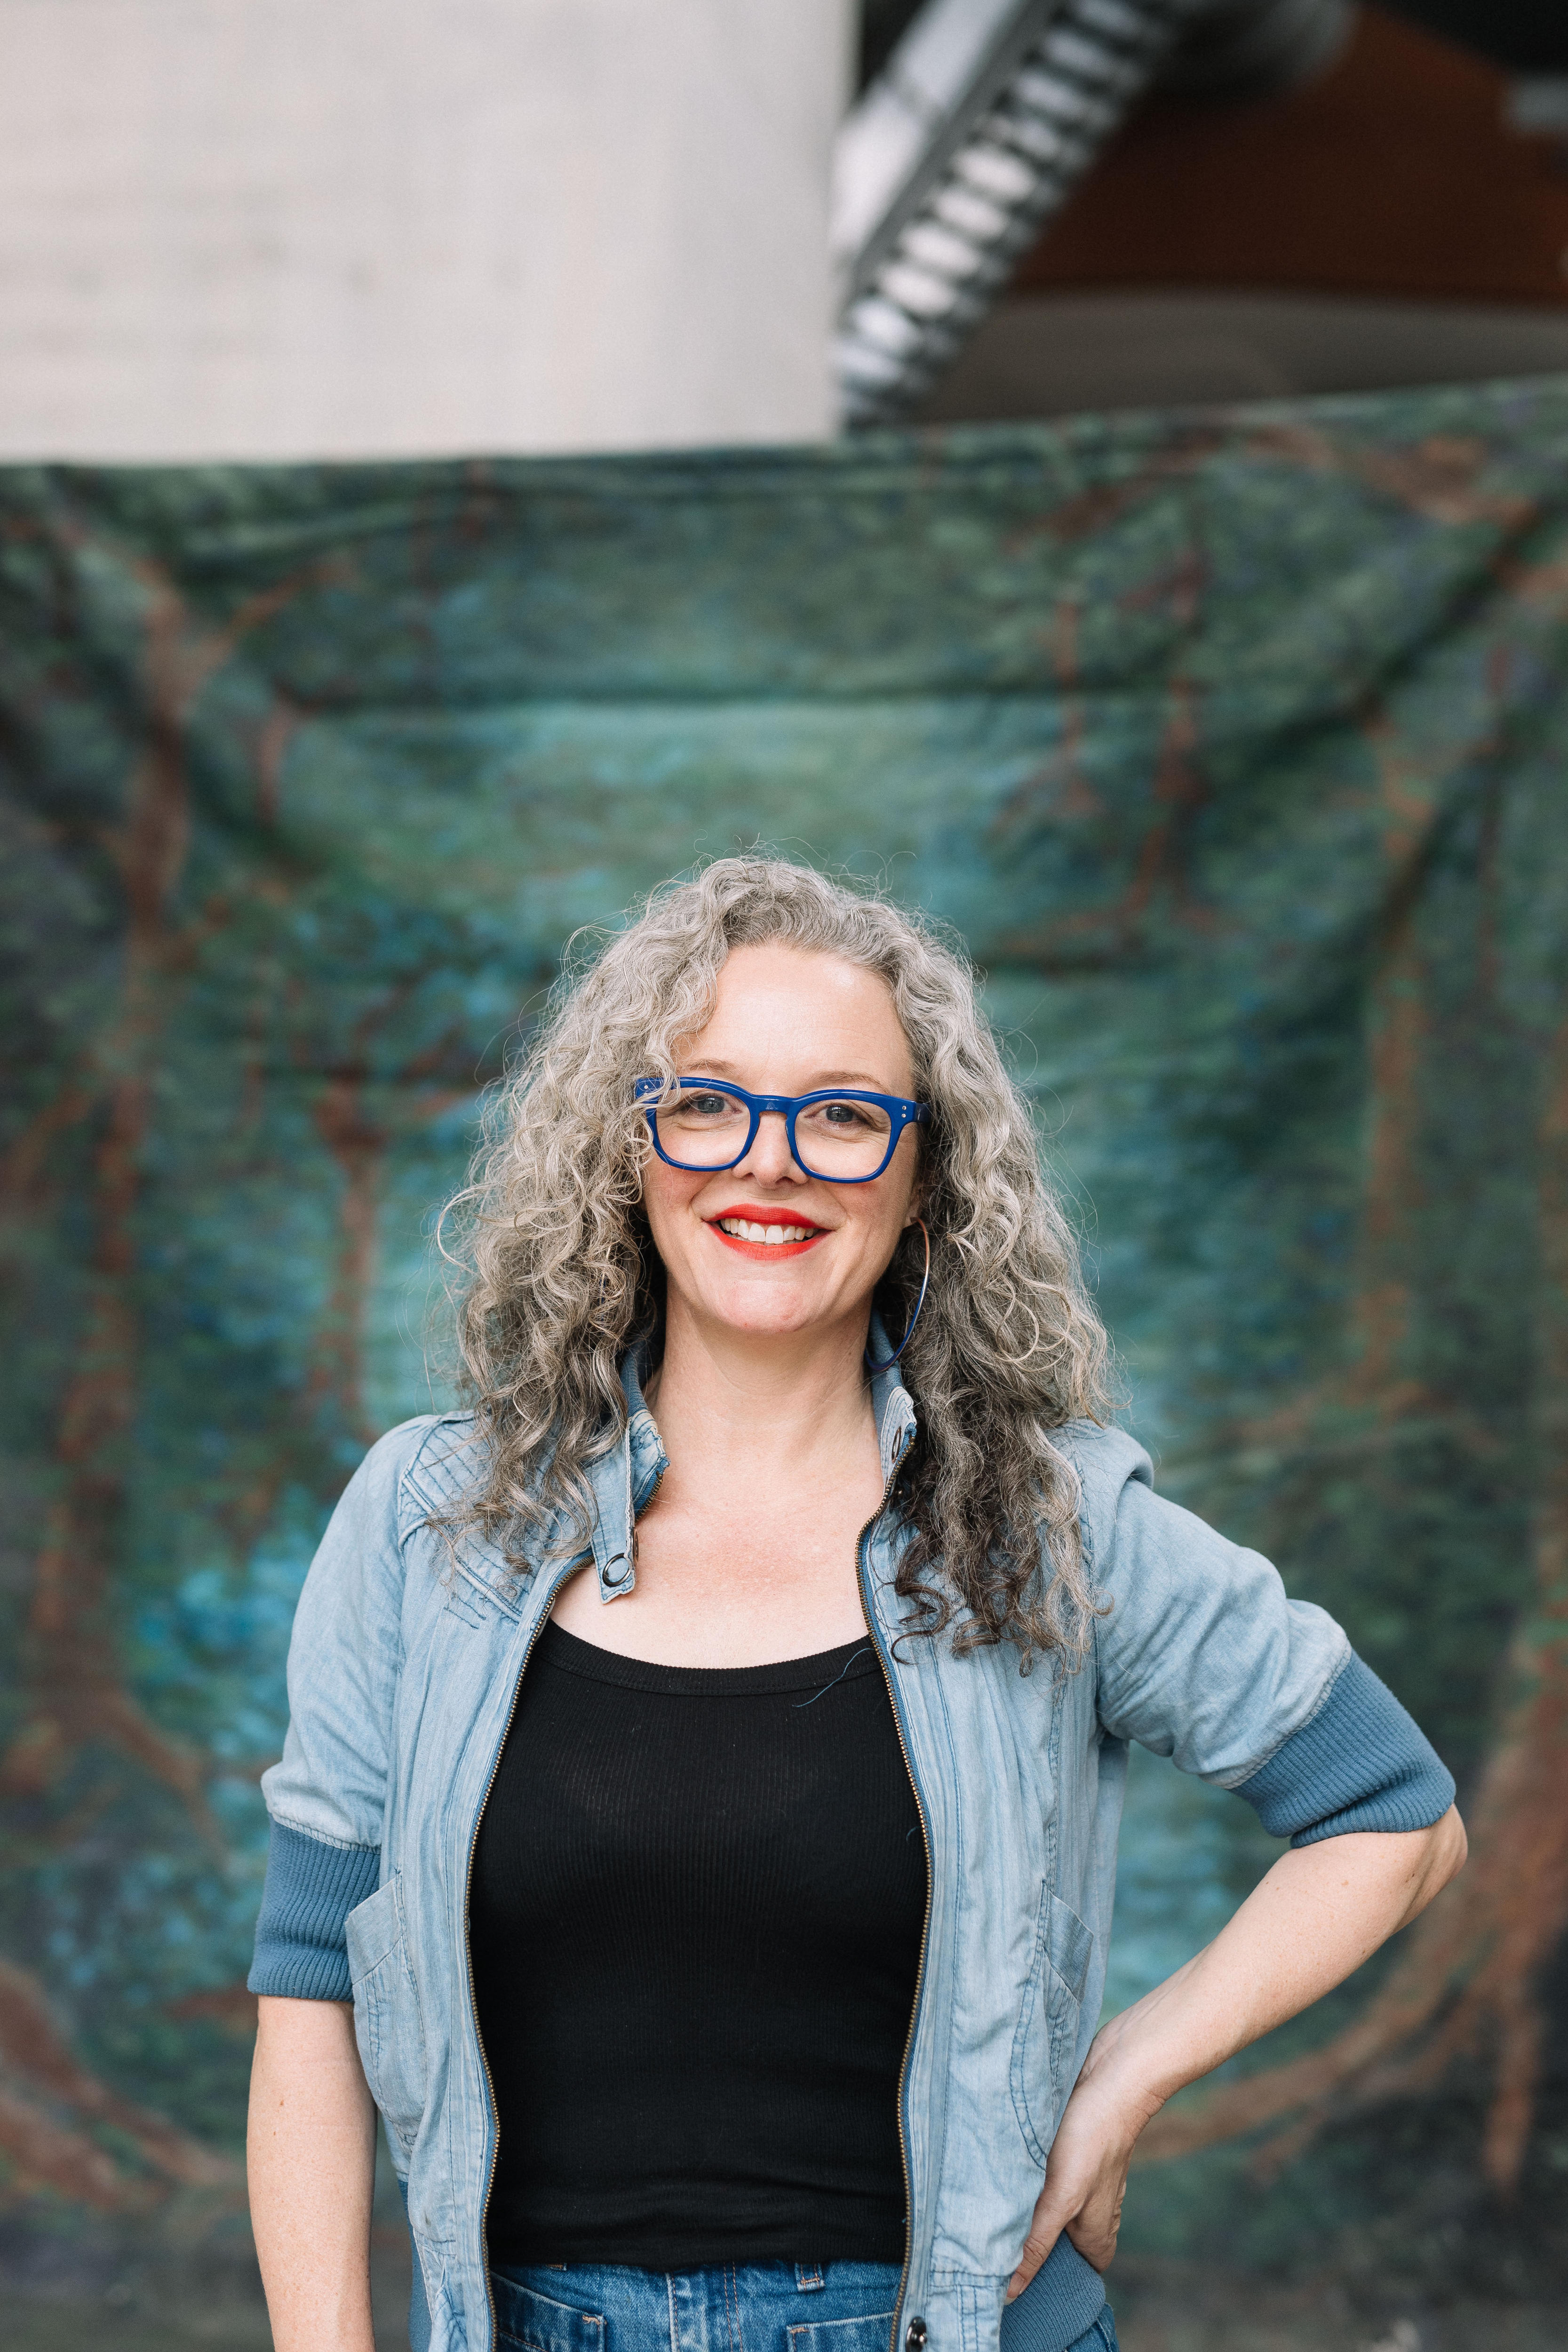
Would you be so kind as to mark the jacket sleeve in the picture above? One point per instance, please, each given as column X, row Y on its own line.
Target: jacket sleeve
column 326, row 1796
column 1360, row 1763
column 1201, row 1656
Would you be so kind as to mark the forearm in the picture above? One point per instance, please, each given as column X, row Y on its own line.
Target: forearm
column 1314, row 1918
column 311, row 2154
column 1317, row 1915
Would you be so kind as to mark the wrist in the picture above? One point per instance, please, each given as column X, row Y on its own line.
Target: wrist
column 1121, row 2076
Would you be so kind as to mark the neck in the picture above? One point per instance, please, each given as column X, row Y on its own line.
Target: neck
column 767, row 1402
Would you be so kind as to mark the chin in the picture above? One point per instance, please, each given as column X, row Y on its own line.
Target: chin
column 777, row 1312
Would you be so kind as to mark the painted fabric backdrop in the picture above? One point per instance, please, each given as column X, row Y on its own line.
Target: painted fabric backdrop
column 1232, row 745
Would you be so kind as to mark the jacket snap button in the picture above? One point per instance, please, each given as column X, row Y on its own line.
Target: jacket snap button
column 915, row 2336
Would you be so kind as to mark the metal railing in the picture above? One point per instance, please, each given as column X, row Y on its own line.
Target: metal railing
column 978, row 128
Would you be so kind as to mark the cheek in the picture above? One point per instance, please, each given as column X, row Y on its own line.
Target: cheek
column 879, row 1224
column 901, row 1188
column 666, row 1193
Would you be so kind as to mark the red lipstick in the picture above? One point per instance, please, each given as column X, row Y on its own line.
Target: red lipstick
column 755, row 1216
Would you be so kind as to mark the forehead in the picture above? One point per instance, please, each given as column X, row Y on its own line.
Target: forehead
column 813, row 1008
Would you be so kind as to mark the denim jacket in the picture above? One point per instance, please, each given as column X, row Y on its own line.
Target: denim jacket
column 404, row 1669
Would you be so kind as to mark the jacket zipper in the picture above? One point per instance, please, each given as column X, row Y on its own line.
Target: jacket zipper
column 541, row 1622
column 926, row 1925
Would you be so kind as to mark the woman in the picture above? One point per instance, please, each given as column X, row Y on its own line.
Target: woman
column 707, row 1752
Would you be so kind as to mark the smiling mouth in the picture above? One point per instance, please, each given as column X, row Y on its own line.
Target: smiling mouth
column 765, row 1233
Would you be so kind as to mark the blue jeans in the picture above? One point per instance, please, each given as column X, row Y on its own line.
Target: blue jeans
column 746, row 2307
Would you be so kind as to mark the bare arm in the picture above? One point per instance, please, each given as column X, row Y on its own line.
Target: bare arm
column 310, row 2152
column 1317, row 1916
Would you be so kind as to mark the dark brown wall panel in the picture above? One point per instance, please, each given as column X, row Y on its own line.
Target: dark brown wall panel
column 1395, row 173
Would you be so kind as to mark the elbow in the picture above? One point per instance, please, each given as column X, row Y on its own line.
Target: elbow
column 1446, row 1848
column 1453, row 1848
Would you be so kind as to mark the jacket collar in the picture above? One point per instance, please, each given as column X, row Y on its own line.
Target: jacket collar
column 891, row 1403
column 624, row 1478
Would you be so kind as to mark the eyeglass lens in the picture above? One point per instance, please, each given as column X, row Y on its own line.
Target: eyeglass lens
column 705, row 1127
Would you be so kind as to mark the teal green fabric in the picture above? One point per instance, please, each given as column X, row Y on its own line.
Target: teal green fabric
column 1232, row 747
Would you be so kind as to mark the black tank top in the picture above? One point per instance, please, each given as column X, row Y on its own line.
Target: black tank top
column 696, row 1916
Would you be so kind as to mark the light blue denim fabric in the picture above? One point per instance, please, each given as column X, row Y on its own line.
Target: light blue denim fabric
column 743, row 2308
column 402, row 1676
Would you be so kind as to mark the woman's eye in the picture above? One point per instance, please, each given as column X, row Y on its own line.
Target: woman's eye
column 844, row 1115
column 707, row 1105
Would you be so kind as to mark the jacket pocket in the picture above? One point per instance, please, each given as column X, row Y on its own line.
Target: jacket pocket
column 388, row 2027
column 1045, row 2037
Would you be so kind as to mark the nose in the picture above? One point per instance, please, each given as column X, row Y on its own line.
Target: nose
column 769, row 1159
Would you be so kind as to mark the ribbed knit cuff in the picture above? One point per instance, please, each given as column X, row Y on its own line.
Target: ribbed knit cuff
column 1064, row 2298
column 312, row 1887
column 1362, row 1763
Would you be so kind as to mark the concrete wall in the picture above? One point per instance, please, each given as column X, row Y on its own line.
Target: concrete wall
column 281, row 228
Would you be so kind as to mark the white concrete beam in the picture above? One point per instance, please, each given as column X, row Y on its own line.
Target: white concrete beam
column 340, row 228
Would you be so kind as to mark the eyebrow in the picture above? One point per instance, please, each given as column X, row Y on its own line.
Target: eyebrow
column 716, row 1069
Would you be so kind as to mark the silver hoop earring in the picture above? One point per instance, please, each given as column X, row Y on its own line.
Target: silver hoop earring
column 890, row 1361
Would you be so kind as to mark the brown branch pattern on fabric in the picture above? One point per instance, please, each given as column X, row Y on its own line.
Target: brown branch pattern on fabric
column 358, row 1146
column 1380, row 1308
column 49, row 2103
column 1466, row 1974
column 1097, row 937
column 77, row 1695
column 1466, row 1979
column 1091, row 511
column 1437, row 478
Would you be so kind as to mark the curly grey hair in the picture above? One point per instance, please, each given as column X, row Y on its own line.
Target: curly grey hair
column 561, row 1275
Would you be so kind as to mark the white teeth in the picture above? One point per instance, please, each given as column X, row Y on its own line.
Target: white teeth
column 744, row 1230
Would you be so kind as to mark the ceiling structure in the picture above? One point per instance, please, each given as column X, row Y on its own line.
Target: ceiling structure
column 982, row 117
column 1263, row 153
column 1525, row 36
column 1401, row 170
column 1528, row 35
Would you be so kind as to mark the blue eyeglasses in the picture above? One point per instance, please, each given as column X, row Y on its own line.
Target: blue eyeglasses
column 839, row 1134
